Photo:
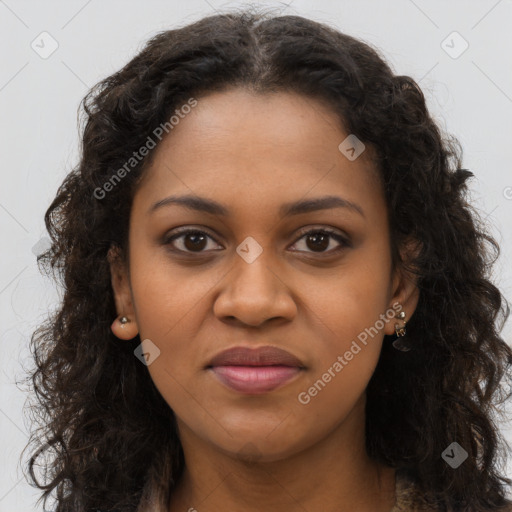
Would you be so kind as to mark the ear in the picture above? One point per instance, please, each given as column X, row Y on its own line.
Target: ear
column 405, row 292
column 120, row 281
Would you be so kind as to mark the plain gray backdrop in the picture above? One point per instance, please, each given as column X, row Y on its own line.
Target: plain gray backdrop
column 53, row 52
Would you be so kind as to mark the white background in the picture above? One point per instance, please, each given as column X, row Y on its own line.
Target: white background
column 470, row 96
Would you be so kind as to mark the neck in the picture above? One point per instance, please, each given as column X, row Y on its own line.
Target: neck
column 334, row 475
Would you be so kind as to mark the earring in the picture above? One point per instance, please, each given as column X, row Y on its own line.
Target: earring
column 124, row 327
column 399, row 343
column 400, row 331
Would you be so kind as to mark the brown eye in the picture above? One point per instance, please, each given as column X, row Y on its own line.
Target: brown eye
column 194, row 241
column 319, row 240
column 189, row 241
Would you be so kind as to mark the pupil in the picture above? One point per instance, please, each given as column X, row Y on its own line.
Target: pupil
column 324, row 240
column 195, row 238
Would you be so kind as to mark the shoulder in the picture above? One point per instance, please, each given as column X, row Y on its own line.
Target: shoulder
column 410, row 499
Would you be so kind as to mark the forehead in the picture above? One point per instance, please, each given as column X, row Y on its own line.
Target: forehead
column 266, row 146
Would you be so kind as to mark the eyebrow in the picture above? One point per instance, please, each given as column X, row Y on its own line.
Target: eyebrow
column 205, row 205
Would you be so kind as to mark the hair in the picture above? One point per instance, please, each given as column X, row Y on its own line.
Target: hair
column 105, row 429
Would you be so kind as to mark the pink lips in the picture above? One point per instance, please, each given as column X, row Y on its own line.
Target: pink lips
column 255, row 371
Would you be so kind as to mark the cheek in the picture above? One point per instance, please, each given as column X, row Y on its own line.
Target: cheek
column 347, row 349
column 350, row 303
column 348, row 313
column 167, row 296
column 171, row 306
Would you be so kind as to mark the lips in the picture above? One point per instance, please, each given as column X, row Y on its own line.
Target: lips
column 262, row 356
column 255, row 371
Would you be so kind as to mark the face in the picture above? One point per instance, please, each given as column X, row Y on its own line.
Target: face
column 247, row 273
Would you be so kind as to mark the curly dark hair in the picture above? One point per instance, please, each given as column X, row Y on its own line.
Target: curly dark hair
column 105, row 427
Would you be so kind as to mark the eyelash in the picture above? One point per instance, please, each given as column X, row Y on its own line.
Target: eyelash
column 343, row 241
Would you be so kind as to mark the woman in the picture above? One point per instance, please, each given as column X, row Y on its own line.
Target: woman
column 276, row 295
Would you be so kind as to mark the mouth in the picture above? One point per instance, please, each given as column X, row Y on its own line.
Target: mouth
column 255, row 371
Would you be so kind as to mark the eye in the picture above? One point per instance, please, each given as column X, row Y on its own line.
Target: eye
column 190, row 240
column 320, row 239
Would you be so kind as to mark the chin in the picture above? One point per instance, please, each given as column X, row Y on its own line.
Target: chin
column 252, row 449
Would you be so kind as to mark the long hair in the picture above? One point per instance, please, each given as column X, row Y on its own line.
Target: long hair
column 106, row 431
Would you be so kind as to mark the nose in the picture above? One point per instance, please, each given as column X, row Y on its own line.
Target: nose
column 253, row 293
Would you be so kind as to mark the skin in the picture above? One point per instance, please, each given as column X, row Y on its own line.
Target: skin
column 252, row 153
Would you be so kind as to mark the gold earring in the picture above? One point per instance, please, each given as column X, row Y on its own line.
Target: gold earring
column 400, row 330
